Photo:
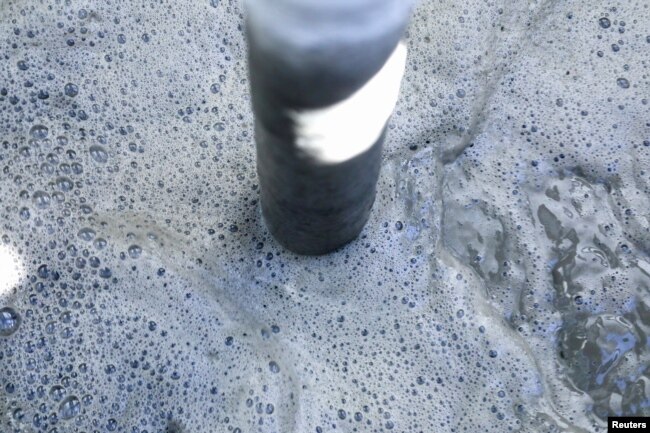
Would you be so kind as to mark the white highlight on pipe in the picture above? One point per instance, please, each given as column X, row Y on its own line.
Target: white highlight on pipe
column 348, row 128
column 11, row 269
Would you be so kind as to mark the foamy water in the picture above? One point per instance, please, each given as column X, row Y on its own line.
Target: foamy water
column 501, row 284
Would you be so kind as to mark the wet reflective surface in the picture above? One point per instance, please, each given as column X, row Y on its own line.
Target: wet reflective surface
column 502, row 283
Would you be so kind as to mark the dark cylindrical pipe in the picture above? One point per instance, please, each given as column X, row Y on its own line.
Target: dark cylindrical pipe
column 325, row 76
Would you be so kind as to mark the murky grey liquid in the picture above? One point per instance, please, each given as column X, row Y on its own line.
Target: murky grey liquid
column 502, row 283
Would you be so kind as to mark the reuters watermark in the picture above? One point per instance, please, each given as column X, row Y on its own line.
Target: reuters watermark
column 628, row 424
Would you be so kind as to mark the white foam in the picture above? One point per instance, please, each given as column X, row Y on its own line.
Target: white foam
column 459, row 308
column 11, row 269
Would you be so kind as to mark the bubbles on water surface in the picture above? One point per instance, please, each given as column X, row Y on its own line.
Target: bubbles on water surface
column 41, row 199
column 605, row 22
column 39, row 132
column 501, row 283
column 69, row 408
column 135, row 251
column 273, row 367
column 71, row 90
column 98, row 153
column 9, row 321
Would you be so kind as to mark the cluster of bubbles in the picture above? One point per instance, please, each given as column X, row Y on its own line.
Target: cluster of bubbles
column 502, row 283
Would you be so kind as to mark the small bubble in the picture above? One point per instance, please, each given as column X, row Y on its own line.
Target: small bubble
column 71, row 90
column 24, row 213
column 93, row 261
column 69, row 408
column 135, row 251
column 87, row 234
column 18, row 415
column 105, row 273
column 111, row 425
column 64, row 184
column 623, row 83
column 57, row 392
column 87, row 399
column 39, row 132
column 605, row 22
column 43, row 272
column 274, row 367
column 41, row 199
column 9, row 321
column 98, row 153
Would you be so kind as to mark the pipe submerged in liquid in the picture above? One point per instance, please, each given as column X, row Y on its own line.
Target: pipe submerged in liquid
column 324, row 80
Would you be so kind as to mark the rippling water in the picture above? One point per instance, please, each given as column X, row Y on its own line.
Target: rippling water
column 502, row 283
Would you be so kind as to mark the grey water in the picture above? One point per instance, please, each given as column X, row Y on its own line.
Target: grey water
column 501, row 284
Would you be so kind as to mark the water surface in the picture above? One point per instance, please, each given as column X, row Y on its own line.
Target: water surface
column 502, row 283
